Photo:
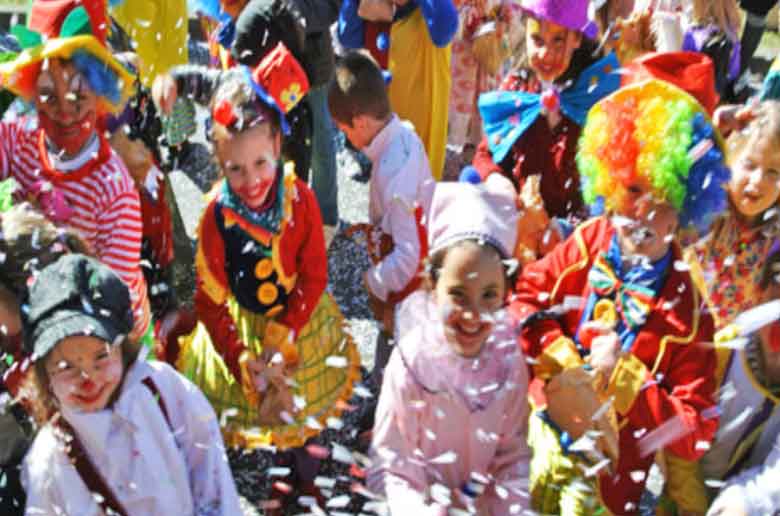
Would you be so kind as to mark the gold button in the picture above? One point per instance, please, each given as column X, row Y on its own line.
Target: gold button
column 267, row 293
column 264, row 268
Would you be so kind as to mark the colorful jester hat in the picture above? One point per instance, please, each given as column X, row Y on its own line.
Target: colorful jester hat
column 279, row 83
column 656, row 134
column 68, row 29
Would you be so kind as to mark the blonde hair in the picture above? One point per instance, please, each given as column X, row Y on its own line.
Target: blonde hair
column 29, row 240
column 765, row 124
column 723, row 13
column 246, row 106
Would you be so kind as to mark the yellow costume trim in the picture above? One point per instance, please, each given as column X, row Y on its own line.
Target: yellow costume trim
column 679, row 340
column 685, row 485
column 626, row 382
column 756, row 385
column 697, row 275
column 578, row 265
column 216, row 291
column 560, row 355
column 290, row 192
column 64, row 48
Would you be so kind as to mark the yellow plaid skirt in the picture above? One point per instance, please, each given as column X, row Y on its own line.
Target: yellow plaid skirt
column 324, row 388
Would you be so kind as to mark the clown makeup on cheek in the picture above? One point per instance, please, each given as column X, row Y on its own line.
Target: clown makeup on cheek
column 67, row 107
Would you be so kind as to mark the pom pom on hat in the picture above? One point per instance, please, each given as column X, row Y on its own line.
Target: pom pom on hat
column 469, row 174
column 464, row 211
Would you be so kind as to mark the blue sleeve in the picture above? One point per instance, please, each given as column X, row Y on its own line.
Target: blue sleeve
column 441, row 18
column 350, row 29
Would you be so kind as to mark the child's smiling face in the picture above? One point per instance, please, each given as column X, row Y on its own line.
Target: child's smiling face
column 66, row 105
column 84, row 372
column 249, row 161
column 471, row 285
column 755, row 177
column 550, row 48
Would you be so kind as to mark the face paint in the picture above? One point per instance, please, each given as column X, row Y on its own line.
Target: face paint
column 67, row 107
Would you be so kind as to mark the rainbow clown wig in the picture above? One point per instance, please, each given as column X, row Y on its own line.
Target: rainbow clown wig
column 655, row 134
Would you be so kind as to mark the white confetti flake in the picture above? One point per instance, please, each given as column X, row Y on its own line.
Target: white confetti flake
column 336, row 361
column 448, row 457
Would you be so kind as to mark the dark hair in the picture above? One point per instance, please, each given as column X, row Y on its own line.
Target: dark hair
column 36, row 391
column 357, row 88
column 434, row 262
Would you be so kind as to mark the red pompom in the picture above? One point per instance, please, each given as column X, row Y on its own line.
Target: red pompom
column 223, row 113
column 551, row 101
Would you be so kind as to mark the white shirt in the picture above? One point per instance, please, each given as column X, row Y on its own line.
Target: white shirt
column 151, row 470
column 400, row 180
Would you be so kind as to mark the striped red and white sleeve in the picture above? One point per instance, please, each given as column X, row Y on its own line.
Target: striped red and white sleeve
column 9, row 137
column 118, row 244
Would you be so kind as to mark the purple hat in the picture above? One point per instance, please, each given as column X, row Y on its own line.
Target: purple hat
column 572, row 14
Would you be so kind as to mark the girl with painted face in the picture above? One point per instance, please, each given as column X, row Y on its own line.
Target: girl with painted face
column 67, row 164
column 118, row 434
column 457, row 360
column 531, row 124
column 727, row 262
column 267, row 329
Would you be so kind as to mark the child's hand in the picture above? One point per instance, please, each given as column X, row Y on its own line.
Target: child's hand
column 604, row 352
column 382, row 311
column 164, row 93
column 732, row 118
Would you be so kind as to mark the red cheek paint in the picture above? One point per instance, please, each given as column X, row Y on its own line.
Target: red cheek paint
column 69, row 137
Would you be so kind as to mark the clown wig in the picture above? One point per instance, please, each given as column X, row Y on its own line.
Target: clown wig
column 656, row 135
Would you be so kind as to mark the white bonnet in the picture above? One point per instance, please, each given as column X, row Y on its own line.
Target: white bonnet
column 485, row 211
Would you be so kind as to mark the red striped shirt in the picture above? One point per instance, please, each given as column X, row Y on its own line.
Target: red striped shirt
column 105, row 203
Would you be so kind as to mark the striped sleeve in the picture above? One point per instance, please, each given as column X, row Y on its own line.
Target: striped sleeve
column 9, row 135
column 118, row 245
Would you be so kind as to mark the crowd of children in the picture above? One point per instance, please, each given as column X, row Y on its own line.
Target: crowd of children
column 594, row 303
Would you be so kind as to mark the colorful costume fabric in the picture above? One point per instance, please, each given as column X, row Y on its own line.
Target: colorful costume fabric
column 727, row 264
column 663, row 375
column 515, row 133
column 419, row 61
column 255, row 269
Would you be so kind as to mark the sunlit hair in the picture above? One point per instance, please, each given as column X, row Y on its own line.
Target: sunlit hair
column 764, row 125
column 656, row 135
column 247, row 107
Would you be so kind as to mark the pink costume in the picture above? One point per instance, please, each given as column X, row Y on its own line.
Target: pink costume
column 445, row 423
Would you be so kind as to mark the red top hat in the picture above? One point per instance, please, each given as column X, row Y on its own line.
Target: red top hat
column 692, row 72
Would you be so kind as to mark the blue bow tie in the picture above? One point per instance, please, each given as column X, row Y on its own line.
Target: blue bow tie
column 506, row 115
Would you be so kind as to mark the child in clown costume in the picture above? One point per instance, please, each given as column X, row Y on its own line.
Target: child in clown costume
column 269, row 350
column 532, row 124
column 66, row 71
column 615, row 325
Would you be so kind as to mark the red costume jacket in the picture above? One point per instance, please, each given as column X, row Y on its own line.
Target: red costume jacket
column 540, row 150
column 666, row 374
column 297, row 264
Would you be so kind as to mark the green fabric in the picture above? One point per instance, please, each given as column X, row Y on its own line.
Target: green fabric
column 180, row 124
column 270, row 219
column 148, row 341
column 27, row 38
column 76, row 23
column 7, row 188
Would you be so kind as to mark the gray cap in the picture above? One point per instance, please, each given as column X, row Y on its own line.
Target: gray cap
column 76, row 295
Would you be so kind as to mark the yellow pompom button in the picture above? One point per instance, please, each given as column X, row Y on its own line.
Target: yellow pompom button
column 267, row 293
column 605, row 313
column 264, row 268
